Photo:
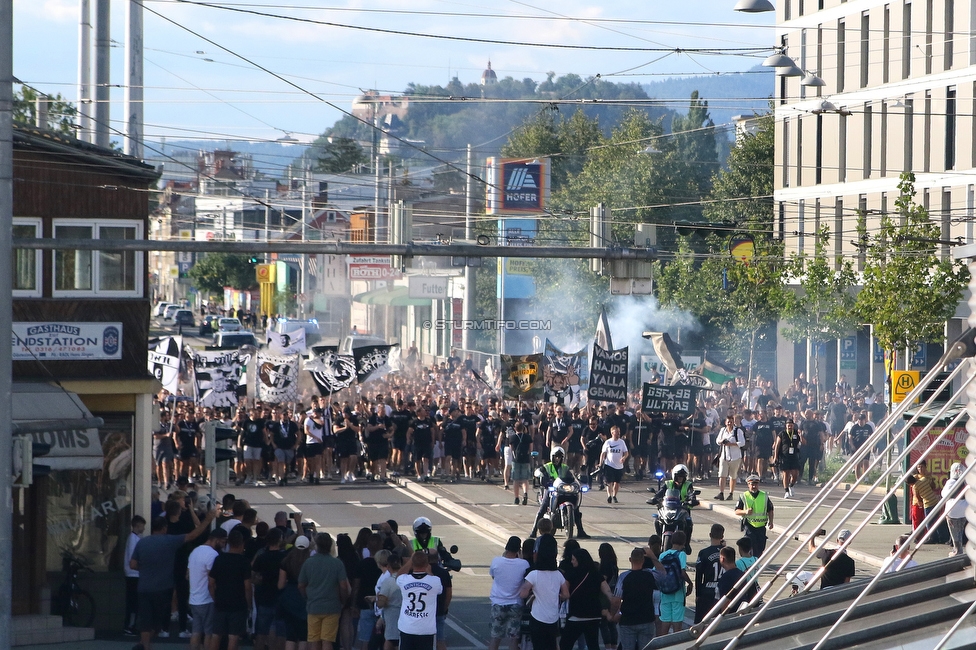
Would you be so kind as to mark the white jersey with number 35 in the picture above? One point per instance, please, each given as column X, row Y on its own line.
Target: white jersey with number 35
column 418, row 612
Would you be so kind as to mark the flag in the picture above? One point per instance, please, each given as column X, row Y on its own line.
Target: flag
column 521, row 376
column 331, row 371
column 372, row 361
column 667, row 351
column 481, row 379
column 715, row 373
column 164, row 362
column 217, row 375
column 603, row 331
column 276, row 377
column 565, row 376
column 608, row 375
column 291, row 343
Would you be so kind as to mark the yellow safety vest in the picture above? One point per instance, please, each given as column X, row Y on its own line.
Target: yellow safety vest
column 758, row 518
column 431, row 543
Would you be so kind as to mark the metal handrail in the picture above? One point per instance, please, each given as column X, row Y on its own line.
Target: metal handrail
column 716, row 614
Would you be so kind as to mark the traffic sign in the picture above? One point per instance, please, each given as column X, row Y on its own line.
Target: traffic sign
column 903, row 382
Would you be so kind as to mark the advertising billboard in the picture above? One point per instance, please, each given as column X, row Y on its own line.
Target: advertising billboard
column 517, row 186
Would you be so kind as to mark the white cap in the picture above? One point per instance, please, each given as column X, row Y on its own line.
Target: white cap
column 301, row 542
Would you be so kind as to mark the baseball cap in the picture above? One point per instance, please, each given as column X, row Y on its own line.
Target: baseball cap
column 514, row 544
column 301, row 542
column 843, row 535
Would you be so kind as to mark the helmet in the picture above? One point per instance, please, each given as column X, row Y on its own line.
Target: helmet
column 679, row 469
column 421, row 522
column 558, row 450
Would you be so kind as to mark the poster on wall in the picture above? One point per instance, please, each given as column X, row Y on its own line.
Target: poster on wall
column 276, row 377
column 217, row 375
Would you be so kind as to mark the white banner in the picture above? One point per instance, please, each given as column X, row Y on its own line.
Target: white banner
column 66, row 340
column 277, row 377
column 164, row 362
column 216, row 375
column 291, row 343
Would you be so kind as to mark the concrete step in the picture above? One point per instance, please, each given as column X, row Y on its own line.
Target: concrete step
column 40, row 629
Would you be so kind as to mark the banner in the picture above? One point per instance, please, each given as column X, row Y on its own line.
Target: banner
column 276, row 377
column 66, row 340
column 669, row 399
column 565, row 376
column 331, row 371
column 667, row 351
column 608, row 375
column 603, row 331
column 710, row 376
column 290, row 343
column 522, row 376
column 372, row 362
column 164, row 362
column 216, row 376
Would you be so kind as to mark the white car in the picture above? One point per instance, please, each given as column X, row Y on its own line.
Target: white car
column 170, row 311
column 229, row 325
column 160, row 308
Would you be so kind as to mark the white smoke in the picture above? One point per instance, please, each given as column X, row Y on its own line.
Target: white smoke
column 631, row 316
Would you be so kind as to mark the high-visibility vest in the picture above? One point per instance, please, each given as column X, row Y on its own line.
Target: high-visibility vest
column 759, row 517
column 431, row 543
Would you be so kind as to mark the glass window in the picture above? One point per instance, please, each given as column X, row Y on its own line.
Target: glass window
column 26, row 274
column 72, row 269
column 117, row 270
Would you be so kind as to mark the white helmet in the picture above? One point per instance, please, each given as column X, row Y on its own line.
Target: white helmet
column 558, row 450
column 678, row 469
column 421, row 521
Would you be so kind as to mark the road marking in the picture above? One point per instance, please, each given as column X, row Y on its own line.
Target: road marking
column 293, row 507
column 275, row 494
column 360, row 504
column 457, row 628
column 491, row 538
column 469, row 571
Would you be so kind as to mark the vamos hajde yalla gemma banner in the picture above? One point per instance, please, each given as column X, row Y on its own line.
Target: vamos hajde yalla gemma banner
column 608, row 375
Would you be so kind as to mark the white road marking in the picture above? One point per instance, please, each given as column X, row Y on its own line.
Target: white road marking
column 457, row 628
column 440, row 511
column 469, row 571
column 360, row 504
column 275, row 494
column 293, row 507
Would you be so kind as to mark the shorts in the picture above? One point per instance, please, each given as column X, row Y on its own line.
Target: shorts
column 453, row 451
column 252, row 453
column 203, row 619
column 612, row 474
column 323, row 627
column 347, row 449
column 521, row 472
column 377, row 452
column 187, row 453
column 284, row 455
column 640, row 451
column 680, row 444
column 509, row 456
column 265, row 620
column 164, row 454
column 672, row 611
column 489, row 453
column 313, row 450
column 154, row 608
column 728, row 468
column 440, row 620
column 422, row 451
column 230, row 623
column 417, row 641
column 505, row 621
column 367, row 621
column 400, row 441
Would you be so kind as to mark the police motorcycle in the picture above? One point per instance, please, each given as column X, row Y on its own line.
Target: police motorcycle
column 423, row 540
column 674, row 500
column 560, row 500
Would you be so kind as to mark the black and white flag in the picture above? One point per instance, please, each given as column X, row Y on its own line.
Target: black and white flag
column 276, row 377
column 217, row 375
column 608, row 375
column 290, row 343
column 164, row 362
column 372, row 361
column 331, row 371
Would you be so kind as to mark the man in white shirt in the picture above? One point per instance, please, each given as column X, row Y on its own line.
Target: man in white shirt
column 132, row 576
column 612, row 457
column 201, row 602
column 507, row 572
column 730, row 441
column 418, row 611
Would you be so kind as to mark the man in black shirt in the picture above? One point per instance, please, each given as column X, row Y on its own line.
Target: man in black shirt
column 812, row 432
column 264, row 573
column 469, row 422
column 858, row 434
column 764, row 435
column 252, row 439
column 364, row 585
column 230, row 587
column 839, row 566
column 634, row 596
column 284, row 438
column 420, row 435
column 640, row 439
column 402, row 416
column 522, row 448
column 708, row 570
column 454, row 437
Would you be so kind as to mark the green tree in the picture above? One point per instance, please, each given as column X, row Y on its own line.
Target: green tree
column 694, row 139
column 339, row 155
column 693, row 283
column 60, row 112
column 909, row 290
column 742, row 194
column 218, row 270
column 824, row 308
column 566, row 141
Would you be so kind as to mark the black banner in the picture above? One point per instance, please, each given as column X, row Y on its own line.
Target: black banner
column 331, row 372
column 372, row 362
column 608, row 375
column 669, row 399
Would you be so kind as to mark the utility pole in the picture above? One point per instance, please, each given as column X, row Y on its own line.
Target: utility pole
column 6, row 311
column 84, row 72
column 303, row 259
column 469, row 272
column 103, row 76
column 133, row 105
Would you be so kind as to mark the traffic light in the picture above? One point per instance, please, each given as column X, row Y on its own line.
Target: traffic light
column 25, row 451
column 253, row 259
column 213, row 436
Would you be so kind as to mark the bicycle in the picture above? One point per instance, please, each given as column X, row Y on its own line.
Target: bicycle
column 75, row 605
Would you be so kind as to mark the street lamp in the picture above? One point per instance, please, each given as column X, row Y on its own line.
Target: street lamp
column 810, row 79
column 792, row 70
column 778, row 60
column 754, row 6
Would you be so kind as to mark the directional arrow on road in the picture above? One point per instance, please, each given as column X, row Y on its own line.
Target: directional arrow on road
column 359, row 504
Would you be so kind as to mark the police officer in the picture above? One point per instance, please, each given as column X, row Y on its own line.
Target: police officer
column 756, row 510
column 548, row 474
column 686, row 489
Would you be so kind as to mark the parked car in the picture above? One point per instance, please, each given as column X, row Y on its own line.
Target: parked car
column 229, row 325
column 207, row 325
column 289, row 325
column 359, row 341
column 184, row 317
column 170, row 311
column 160, row 309
column 233, row 340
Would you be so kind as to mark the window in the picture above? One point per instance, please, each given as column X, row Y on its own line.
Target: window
column 950, row 19
column 842, row 148
column 820, row 55
column 906, row 40
column 972, row 32
column 786, row 153
column 909, row 134
column 886, row 45
column 801, row 224
column 927, row 133
column 865, row 45
column 841, row 61
column 782, row 220
column 970, row 201
column 816, row 220
column 883, row 162
column 787, row 13
column 26, row 262
column 928, row 36
column 799, row 8
column 106, row 273
column 868, row 130
column 799, row 152
column 803, row 59
column 946, row 221
column 818, row 162
column 950, row 130
column 838, row 234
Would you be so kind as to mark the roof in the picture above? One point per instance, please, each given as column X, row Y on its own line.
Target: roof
column 30, row 138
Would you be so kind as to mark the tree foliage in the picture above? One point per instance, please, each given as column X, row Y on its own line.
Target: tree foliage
column 742, row 193
column 909, row 291
column 339, row 155
column 60, row 112
column 218, row 270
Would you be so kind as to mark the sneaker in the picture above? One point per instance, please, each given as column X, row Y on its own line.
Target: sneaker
column 343, row 480
column 615, row 499
column 507, row 487
column 163, row 634
column 720, row 496
column 525, row 499
column 609, row 500
column 185, row 634
column 516, row 501
column 786, row 495
column 790, row 491
column 582, row 536
column 130, row 631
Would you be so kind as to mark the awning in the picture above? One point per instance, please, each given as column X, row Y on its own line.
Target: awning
column 64, row 423
column 395, row 297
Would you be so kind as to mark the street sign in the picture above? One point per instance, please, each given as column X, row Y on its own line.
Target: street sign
column 918, row 355
column 848, row 353
column 902, row 383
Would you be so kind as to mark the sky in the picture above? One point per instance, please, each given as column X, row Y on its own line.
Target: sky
column 199, row 89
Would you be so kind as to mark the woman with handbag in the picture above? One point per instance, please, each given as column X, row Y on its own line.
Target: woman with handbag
column 586, row 584
column 548, row 588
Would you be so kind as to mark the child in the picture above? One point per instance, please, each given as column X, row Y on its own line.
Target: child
column 745, row 561
column 673, row 605
column 138, row 526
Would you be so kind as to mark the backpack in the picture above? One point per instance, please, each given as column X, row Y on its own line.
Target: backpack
column 671, row 580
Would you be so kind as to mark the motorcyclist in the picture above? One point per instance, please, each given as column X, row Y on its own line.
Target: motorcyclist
column 549, row 474
column 679, row 481
column 423, row 541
